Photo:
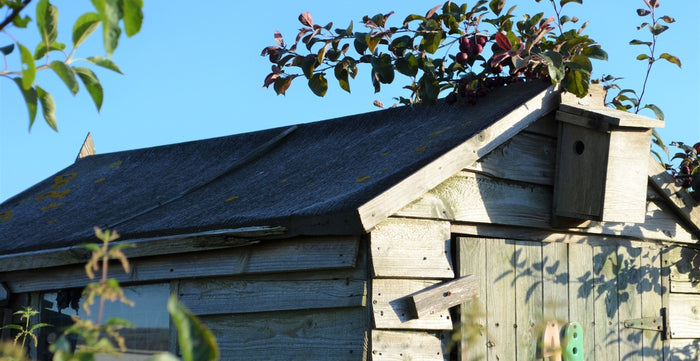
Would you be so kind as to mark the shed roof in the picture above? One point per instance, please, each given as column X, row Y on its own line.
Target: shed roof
column 339, row 176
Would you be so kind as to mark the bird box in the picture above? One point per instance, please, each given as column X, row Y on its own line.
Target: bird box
column 601, row 173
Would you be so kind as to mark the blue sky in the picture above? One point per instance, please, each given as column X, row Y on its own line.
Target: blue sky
column 195, row 72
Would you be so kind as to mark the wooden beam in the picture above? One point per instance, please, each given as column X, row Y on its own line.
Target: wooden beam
column 431, row 175
column 683, row 202
column 441, row 297
column 391, row 306
column 409, row 345
column 303, row 254
column 181, row 243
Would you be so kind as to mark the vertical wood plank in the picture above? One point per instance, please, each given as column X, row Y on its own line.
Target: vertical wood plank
column 528, row 298
column 472, row 260
column 606, row 322
column 652, row 292
column 629, row 301
column 555, row 288
column 581, row 293
column 500, row 298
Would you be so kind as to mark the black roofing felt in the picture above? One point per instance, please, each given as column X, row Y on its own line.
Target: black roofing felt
column 313, row 174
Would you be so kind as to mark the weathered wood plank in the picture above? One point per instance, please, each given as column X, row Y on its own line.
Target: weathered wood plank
column 392, row 309
column 411, row 248
column 555, row 269
column 684, row 267
column 542, row 235
column 581, row 293
column 500, row 292
column 684, row 315
column 280, row 256
column 606, row 317
column 144, row 247
column 480, row 144
column 683, row 202
column 612, row 116
column 629, row 301
column 528, row 298
column 472, row 260
column 651, row 292
column 333, row 334
column 684, row 350
column 445, row 295
column 476, row 198
column 409, row 345
column 544, row 126
column 527, row 157
column 221, row 296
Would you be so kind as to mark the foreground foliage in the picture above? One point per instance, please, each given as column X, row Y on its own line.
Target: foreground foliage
column 115, row 16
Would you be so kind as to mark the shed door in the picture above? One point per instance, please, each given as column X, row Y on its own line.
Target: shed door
column 524, row 284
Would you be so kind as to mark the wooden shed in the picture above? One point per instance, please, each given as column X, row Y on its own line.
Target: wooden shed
column 365, row 237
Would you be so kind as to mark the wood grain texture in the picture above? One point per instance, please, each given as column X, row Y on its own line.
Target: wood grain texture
column 684, row 269
column 555, row 268
column 527, row 157
column 445, row 295
column 392, row 308
column 334, row 334
column 229, row 296
column 684, row 315
column 500, row 323
column 411, row 248
column 582, row 293
column 409, row 345
column 652, row 302
column 471, row 252
column 476, row 198
column 459, row 157
column 684, row 350
column 528, row 298
column 629, row 276
column 283, row 256
column 683, row 203
column 606, row 330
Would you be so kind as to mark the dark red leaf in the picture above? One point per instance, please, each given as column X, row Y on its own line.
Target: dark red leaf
column 503, row 42
column 305, row 18
column 279, row 39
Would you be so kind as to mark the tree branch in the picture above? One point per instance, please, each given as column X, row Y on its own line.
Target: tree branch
column 14, row 14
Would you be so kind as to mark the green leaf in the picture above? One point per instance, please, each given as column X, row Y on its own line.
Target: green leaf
column 21, row 21
column 360, row 43
column 318, row 84
column 658, row 29
column 12, row 327
column 308, row 65
column 564, row 2
column 47, row 21
column 555, row 66
column 657, row 111
column 133, row 16
column 642, row 56
column 28, row 67
column 407, row 65
column 197, row 343
column 497, row 6
column 30, row 98
column 639, row 42
column 110, row 25
column 670, row 58
column 41, row 49
column 66, row 74
column 7, row 50
column 282, row 84
column 105, row 63
column 384, row 68
column 84, row 27
column 413, row 17
column 92, row 84
column 341, row 73
column 48, row 107
column 595, row 52
column 577, row 82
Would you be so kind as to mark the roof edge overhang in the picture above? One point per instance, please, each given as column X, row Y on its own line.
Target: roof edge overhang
column 468, row 152
column 677, row 197
column 144, row 247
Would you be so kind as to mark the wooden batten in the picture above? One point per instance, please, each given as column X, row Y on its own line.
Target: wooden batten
column 411, row 248
column 598, row 175
column 87, row 149
column 441, row 297
column 409, row 345
column 294, row 255
column 392, row 307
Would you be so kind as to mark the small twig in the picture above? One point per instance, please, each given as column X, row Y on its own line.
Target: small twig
column 14, row 14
